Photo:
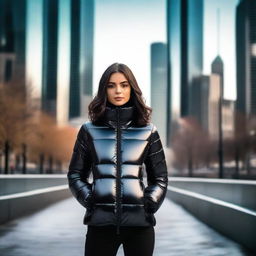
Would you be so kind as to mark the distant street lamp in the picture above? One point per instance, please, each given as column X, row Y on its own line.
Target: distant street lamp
column 24, row 158
column 41, row 163
column 220, row 142
column 6, row 154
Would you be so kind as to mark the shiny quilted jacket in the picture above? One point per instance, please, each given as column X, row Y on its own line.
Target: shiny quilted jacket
column 117, row 153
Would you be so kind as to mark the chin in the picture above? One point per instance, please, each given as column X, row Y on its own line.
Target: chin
column 119, row 103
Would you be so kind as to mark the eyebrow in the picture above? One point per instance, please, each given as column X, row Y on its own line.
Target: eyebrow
column 120, row 83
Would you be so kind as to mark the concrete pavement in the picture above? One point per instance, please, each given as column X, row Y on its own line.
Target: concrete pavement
column 58, row 231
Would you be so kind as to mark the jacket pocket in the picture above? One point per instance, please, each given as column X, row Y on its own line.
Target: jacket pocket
column 150, row 218
column 147, row 204
column 148, row 215
column 90, row 208
column 88, row 215
column 90, row 200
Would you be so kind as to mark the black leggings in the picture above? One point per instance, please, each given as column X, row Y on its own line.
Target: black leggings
column 103, row 241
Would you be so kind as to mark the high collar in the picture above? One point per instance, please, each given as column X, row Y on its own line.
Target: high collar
column 122, row 115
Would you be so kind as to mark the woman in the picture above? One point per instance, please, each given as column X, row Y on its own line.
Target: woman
column 113, row 146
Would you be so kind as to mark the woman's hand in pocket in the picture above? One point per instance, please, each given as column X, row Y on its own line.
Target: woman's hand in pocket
column 149, row 205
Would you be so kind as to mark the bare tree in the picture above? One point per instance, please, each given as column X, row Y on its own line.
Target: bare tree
column 51, row 144
column 15, row 119
column 29, row 133
column 190, row 145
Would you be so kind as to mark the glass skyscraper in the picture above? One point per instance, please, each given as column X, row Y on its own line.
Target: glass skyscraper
column 185, row 46
column 158, row 72
column 75, row 90
column 50, row 45
column 12, row 40
column 246, row 57
column 67, row 57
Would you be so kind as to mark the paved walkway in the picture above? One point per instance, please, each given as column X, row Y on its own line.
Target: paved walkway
column 58, row 231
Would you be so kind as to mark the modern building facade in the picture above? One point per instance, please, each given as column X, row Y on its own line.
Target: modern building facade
column 75, row 58
column 217, row 67
column 200, row 94
column 246, row 57
column 185, row 57
column 86, row 53
column 71, row 56
column 74, row 91
column 158, row 66
column 12, row 41
column 228, row 118
column 213, row 114
column 50, row 50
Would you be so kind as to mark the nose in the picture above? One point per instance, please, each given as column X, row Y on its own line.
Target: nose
column 118, row 89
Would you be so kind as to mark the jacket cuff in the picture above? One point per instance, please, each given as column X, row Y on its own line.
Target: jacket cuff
column 85, row 201
column 149, row 205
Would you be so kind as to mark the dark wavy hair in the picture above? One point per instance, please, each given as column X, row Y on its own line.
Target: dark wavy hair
column 98, row 104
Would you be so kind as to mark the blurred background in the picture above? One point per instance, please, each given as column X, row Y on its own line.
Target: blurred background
column 194, row 60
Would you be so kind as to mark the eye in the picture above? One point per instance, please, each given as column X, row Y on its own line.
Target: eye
column 125, row 85
column 110, row 86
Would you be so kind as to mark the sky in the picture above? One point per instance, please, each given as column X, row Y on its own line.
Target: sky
column 34, row 45
column 124, row 31
column 226, row 37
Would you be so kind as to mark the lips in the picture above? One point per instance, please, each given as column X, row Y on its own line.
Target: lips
column 118, row 98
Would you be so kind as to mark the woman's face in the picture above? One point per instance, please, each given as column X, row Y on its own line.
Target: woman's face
column 118, row 89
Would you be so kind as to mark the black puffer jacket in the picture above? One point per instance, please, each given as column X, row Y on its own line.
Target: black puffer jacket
column 114, row 151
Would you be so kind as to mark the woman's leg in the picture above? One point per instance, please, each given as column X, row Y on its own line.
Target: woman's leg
column 101, row 241
column 138, row 241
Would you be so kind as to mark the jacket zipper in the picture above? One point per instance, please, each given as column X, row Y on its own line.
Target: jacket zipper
column 118, row 181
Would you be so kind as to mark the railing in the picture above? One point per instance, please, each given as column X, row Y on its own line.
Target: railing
column 23, row 194
column 15, row 183
column 228, row 206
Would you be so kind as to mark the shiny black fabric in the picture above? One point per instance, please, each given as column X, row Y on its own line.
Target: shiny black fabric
column 115, row 151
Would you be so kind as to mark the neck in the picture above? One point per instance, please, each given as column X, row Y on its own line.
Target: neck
column 123, row 114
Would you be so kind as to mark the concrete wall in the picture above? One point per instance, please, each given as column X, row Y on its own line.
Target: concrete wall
column 15, row 183
column 20, row 204
column 24, row 194
column 226, row 216
column 233, row 191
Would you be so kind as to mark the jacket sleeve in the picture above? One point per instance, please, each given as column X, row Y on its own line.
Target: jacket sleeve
column 80, row 168
column 157, row 175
